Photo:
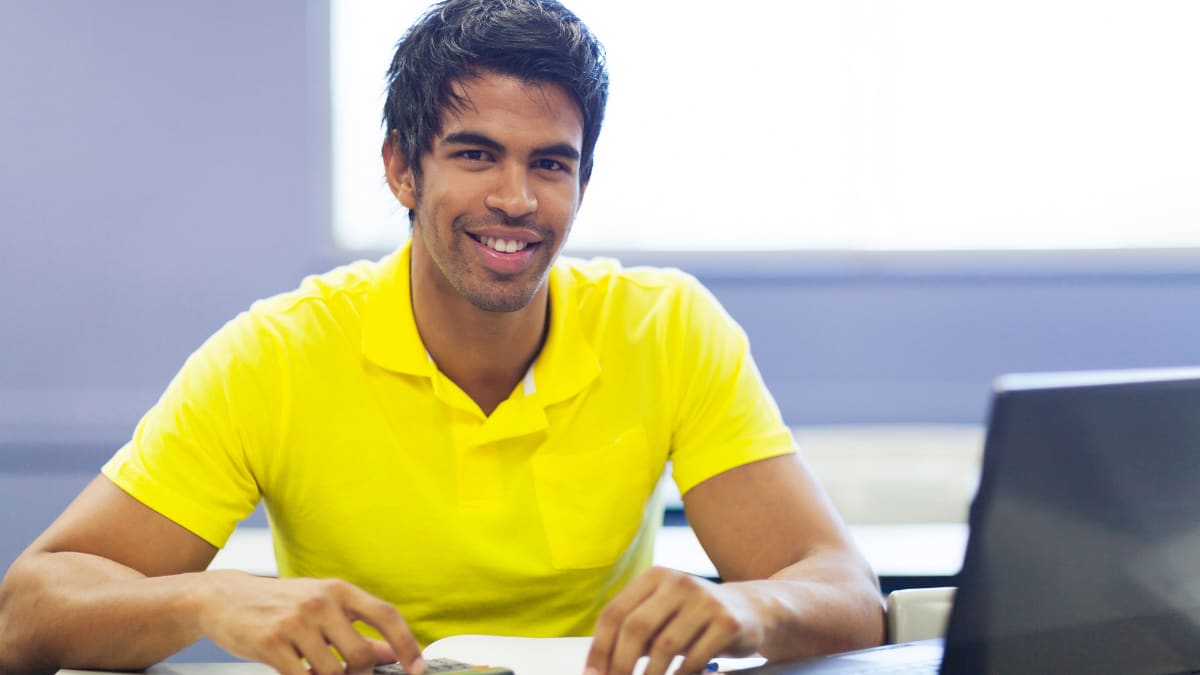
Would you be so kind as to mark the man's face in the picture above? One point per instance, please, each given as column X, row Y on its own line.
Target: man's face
column 499, row 190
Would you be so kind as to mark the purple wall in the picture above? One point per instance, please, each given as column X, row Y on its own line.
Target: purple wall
column 156, row 177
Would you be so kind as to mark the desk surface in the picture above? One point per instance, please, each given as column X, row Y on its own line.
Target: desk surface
column 913, row 550
column 233, row 668
column 525, row 656
column 918, row 550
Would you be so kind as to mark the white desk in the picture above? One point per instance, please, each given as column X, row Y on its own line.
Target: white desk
column 916, row 550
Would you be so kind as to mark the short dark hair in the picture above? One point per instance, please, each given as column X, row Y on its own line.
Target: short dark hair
column 536, row 41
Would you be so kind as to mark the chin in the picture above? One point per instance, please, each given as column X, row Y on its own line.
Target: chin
column 511, row 294
column 500, row 304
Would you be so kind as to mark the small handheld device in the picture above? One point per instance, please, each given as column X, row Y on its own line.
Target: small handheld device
column 444, row 666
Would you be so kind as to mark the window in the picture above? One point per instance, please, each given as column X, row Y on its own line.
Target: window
column 849, row 124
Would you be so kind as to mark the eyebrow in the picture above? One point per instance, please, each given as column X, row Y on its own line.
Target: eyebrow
column 471, row 138
column 562, row 150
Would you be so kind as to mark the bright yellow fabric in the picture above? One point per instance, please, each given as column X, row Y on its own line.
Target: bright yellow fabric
column 377, row 469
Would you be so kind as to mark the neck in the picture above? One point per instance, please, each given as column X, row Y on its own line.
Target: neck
column 485, row 353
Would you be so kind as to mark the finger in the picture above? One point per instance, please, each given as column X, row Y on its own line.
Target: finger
column 350, row 644
column 383, row 651
column 640, row 628
column 383, row 617
column 674, row 639
column 312, row 647
column 284, row 658
column 608, row 626
column 323, row 627
column 715, row 638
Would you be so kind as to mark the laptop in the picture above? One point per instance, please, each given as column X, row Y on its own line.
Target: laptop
column 1084, row 546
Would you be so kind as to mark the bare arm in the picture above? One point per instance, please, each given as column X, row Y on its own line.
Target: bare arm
column 113, row 584
column 795, row 585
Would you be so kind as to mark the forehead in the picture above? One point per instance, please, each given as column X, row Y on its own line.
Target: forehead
column 502, row 105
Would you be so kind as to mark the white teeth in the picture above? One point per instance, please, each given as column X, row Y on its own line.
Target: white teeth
column 503, row 245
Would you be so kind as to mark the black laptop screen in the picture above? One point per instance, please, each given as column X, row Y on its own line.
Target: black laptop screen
column 1085, row 546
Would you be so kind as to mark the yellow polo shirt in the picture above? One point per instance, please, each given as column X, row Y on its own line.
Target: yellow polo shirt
column 377, row 469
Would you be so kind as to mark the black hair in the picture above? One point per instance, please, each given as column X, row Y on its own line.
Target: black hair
column 536, row 41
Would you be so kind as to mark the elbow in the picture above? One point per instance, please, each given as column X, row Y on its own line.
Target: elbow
column 865, row 617
column 20, row 653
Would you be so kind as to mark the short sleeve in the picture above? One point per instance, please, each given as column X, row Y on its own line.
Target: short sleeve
column 724, row 415
column 190, row 455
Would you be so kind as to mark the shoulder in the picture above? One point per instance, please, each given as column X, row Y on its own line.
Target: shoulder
column 335, row 298
column 346, row 284
column 322, row 305
column 655, row 305
column 606, row 282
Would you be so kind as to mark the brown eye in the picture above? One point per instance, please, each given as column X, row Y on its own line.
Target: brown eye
column 550, row 165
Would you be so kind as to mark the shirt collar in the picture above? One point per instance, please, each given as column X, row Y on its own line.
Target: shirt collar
column 566, row 364
column 390, row 338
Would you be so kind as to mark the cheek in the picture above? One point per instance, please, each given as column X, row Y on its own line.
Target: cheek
column 562, row 204
column 430, row 207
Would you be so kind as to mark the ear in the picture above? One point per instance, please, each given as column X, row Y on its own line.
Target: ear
column 399, row 173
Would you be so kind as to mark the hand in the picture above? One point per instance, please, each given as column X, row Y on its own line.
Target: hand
column 665, row 613
column 281, row 621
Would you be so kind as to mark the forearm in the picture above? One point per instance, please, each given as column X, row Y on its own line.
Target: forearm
column 77, row 610
column 828, row 602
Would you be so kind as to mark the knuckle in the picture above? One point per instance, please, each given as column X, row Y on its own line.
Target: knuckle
column 725, row 622
column 667, row 644
column 661, row 574
column 285, row 627
column 273, row 640
column 377, row 606
column 609, row 617
column 638, row 627
column 679, row 582
column 333, row 587
column 315, row 604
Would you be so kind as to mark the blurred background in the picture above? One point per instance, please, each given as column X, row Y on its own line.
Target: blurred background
column 898, row 201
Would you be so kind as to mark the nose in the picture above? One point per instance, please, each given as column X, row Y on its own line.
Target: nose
column 512, row 194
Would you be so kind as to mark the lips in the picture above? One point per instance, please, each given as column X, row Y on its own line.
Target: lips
column 507, row 255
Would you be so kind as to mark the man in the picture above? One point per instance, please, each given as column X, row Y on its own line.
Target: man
column 464, row 437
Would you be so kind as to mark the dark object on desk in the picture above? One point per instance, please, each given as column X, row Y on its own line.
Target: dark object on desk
column 443, row 666
column 1084, row 550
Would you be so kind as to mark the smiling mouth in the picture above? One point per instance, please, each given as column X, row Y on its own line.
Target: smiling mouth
column 503, row 245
